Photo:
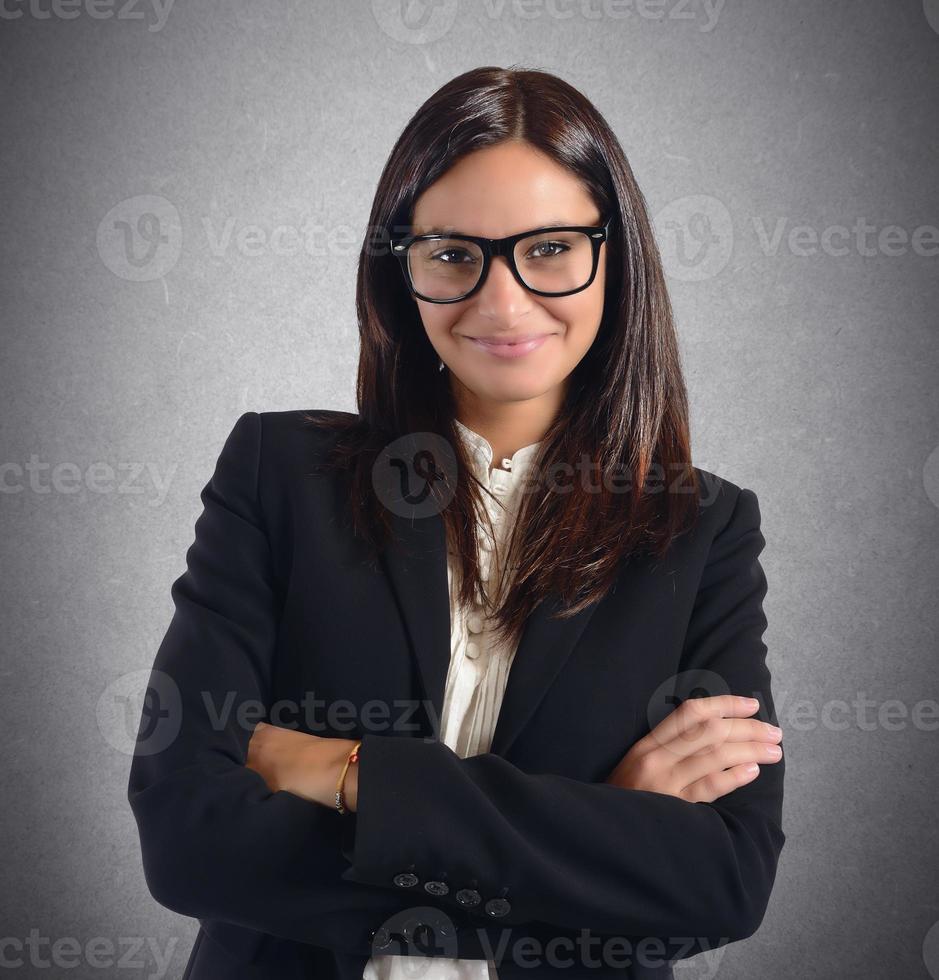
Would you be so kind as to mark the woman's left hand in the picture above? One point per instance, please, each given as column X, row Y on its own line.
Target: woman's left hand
column 302, row 764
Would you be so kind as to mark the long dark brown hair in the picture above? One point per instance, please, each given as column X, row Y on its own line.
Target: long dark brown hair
column 625, row 407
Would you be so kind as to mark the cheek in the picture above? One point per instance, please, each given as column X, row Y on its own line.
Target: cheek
column 438, row 321
column 581, row 319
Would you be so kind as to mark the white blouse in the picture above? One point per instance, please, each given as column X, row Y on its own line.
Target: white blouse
column 478, row 673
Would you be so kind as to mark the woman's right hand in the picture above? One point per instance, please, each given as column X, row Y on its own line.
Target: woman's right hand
column 701, row 751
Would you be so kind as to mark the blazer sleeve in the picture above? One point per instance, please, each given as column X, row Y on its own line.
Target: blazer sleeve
column 216, row 843
column 593, row 855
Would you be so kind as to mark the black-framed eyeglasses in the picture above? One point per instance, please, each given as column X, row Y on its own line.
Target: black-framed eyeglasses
column 554, row 261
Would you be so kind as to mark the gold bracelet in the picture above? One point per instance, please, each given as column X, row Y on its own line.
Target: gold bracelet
column 352, row 757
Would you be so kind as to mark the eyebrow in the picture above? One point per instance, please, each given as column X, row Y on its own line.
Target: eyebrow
column 441, row 230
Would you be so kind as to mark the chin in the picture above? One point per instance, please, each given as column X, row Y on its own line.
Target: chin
column 517, row 389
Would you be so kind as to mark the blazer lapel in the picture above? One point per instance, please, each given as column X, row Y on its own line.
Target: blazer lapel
column 543, row 649
column 416, row 563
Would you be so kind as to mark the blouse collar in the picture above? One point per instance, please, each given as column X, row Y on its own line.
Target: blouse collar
column 481, row 455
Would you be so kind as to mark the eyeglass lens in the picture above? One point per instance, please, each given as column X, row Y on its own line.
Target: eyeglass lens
column 553, row 262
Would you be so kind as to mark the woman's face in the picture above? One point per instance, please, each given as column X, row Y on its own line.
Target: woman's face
column 494, row 192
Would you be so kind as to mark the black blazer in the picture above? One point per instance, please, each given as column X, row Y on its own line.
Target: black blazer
column 280, row 617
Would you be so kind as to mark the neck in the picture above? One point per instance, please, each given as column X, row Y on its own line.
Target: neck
column 511, row 425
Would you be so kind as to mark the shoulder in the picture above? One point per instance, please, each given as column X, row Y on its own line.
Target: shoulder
column 301, row 427
column 724, row 505
column 282, row 435
column 729, row 516
column 280, row 446
column 273, row 458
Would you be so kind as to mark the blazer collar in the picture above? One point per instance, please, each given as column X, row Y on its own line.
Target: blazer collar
column 416, row 564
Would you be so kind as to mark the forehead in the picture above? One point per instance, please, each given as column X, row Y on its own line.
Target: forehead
column 503, row 189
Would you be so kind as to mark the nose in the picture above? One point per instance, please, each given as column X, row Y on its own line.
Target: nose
column 501, row 296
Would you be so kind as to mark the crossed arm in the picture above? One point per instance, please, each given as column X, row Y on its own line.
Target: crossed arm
column 218, row 842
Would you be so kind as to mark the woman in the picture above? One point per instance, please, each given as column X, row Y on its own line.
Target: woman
column 461, row 686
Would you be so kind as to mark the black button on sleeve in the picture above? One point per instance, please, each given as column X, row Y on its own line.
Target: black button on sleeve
column 468, row 897
column 497, row 907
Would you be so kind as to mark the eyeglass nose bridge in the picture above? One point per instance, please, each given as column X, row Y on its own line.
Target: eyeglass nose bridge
column 501, row 247
column 507, row 250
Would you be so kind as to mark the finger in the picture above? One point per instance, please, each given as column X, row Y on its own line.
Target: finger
column 718, row 784
column 730, row 730
column 689, row 715
column 695, row 767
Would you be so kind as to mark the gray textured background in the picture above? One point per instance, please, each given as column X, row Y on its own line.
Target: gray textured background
column 183, row 194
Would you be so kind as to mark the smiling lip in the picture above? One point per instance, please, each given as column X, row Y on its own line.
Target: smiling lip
column 517, row 347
